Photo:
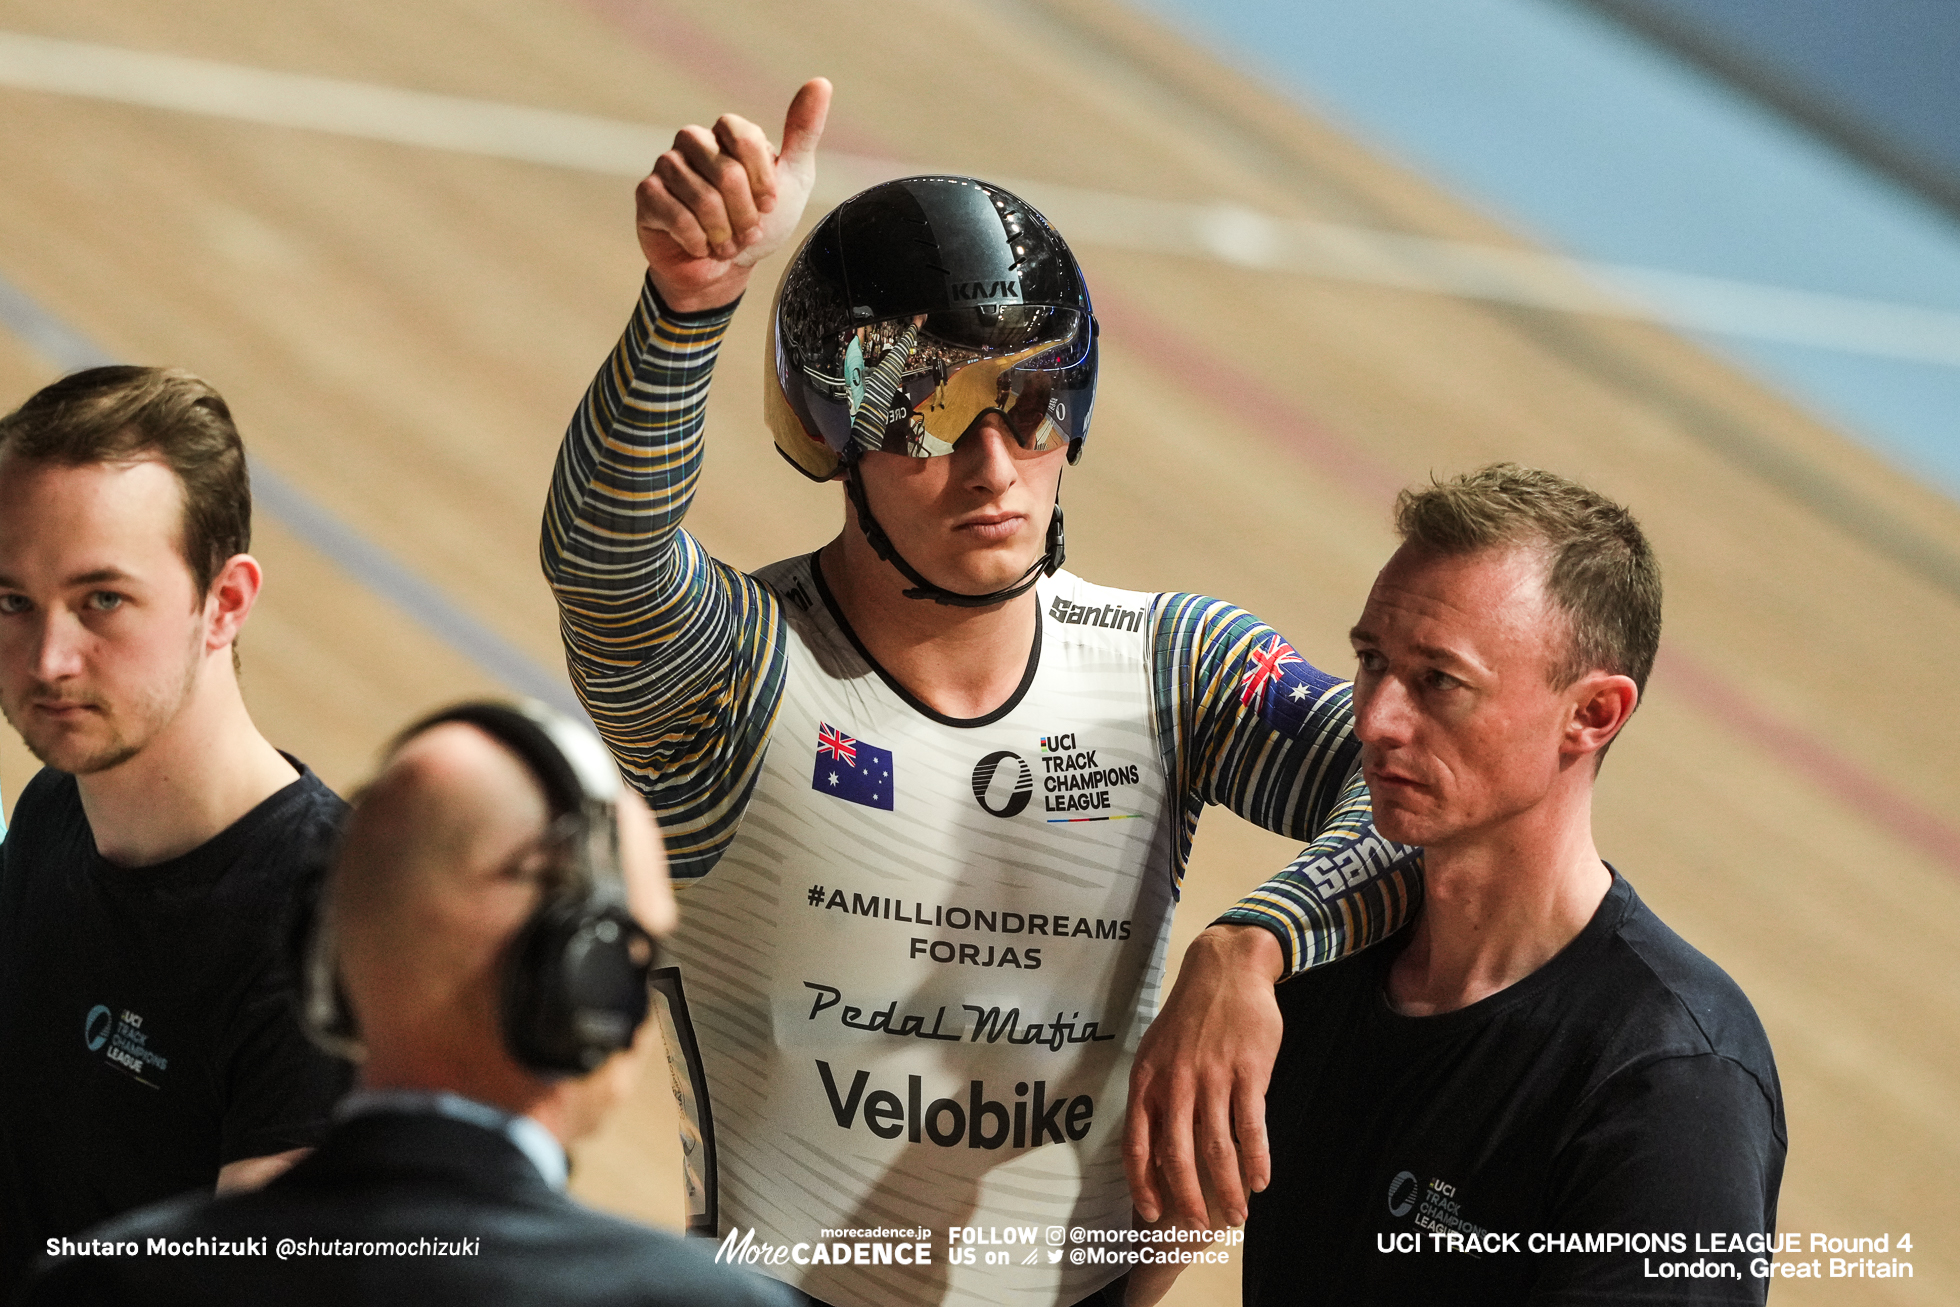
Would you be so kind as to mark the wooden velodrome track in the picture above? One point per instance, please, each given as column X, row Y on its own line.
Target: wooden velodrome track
column 403, row 331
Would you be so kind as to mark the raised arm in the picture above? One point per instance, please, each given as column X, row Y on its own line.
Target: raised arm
column 677, row 657
column 1269, row 736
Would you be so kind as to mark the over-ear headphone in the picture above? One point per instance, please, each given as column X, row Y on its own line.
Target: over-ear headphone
column 574, row 986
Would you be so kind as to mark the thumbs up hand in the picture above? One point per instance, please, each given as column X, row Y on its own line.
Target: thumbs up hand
column 722, row 200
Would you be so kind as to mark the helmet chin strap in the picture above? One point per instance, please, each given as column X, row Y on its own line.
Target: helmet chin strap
column 881, row 545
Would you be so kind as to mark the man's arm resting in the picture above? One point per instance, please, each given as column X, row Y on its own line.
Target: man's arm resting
column 1197, row 1088
column 1198, row 1085
column 1347, row 890
column 1257, row 729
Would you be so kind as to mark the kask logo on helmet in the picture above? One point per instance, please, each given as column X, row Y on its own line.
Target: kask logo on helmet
column 975, row 292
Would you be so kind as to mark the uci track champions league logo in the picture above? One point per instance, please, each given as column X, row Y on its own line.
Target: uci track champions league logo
column 1074, row 785
column 120, row 1038
column 1402, row 1191
column 1011, row 769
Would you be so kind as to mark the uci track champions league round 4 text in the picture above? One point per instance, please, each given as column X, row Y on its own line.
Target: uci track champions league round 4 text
column 1678, row 1255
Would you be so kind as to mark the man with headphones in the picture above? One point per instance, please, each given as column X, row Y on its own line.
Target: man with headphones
column 929, row 795
column 482, row 947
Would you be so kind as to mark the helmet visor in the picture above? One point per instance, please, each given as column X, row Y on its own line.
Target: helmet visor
column 915, row 385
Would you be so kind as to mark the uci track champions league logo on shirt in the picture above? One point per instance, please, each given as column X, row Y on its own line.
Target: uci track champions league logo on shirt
column 119, row 1038
column 1074, row 785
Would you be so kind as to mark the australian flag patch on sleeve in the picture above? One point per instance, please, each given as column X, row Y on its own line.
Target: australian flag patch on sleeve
column 851, row 769
column 1285, row 689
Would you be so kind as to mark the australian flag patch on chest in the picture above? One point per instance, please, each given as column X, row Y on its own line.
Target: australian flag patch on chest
column 851, row 769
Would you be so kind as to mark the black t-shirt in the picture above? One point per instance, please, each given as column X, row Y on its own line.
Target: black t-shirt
column 147, row 1029
column 1624, row 1091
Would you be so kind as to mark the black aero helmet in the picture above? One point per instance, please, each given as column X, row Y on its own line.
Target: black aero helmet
column 915, row 308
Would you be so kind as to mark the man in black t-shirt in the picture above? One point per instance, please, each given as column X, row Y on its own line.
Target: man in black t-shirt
column 147, row 1041
column 1540, row 1093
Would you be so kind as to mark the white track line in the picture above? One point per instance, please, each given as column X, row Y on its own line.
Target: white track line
column 1224, row 232
column 323, row 104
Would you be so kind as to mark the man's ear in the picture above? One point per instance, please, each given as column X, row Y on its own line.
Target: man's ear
column 1602, row 702
column 229, row 600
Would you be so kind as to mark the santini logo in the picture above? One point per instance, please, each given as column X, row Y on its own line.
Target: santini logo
column 975, row 292
column 1112, row 616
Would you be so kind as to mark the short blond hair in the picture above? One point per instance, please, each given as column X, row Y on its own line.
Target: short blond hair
column 1600, row 571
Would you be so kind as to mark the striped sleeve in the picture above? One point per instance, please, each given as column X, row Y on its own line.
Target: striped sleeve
column 1246, row 722
column 678, row 658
